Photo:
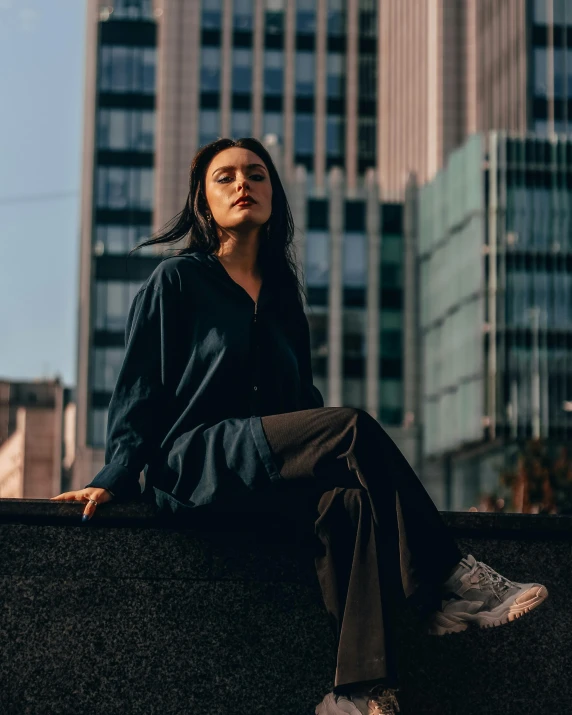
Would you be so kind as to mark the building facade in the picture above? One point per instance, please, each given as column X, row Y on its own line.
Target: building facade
column 117, row 202
column 495, row 263
column 449, row 69
column 37, row 438
column 302, row 71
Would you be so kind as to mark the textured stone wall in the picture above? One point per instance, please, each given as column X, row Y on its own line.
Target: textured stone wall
column 133, row 614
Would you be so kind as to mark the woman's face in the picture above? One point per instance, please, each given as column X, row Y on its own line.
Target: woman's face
column 233, row 173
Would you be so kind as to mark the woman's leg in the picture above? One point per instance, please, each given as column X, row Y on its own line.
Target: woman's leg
column 350, row 573
column 397, row 544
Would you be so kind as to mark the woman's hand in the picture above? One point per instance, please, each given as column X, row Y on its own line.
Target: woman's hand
column 100, row 495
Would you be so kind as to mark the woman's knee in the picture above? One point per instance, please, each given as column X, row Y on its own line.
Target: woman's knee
column 364, row 418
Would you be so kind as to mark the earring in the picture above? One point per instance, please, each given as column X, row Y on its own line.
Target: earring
column 209, row 216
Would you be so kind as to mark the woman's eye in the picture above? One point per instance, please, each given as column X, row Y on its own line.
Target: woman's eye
column 254, row 176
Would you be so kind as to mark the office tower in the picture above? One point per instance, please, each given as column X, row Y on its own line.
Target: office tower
column 494, row 247
column 117, row 204
column 448, row 69
column 303, row 71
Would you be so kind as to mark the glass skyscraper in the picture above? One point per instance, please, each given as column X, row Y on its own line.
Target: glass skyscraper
column 495, row 250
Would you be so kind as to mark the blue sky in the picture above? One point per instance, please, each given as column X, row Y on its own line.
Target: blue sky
column 41, row 86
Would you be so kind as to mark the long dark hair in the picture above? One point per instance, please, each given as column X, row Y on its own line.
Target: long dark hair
column 275, row 254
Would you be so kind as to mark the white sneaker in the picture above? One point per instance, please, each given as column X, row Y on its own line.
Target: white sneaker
column 475, row 593
column 338, row 704
column 379, row 701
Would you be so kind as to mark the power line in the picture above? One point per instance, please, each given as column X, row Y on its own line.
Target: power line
column 37, row 197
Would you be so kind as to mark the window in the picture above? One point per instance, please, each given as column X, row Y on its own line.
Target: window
column 241, row 122
column 306, row 16
column 335, row 128
column 121, row 187
column 540, row 16
column 113, row 300
column 132, row 9
column 391, row 275
column 107, row 363
column 355, row 263
column 367, row 80
column 125, row 130
column 305, row 73
column 273, row 72
column 127, row 69
column 210, row 69
column 541, row 127
column 391, row 343
column 119, row 239
column 391, row 393
column 98, row 430
column 336, row 17
column 540, row 72
column 567, row 70
column 209, row 126
column 304, row 134
column 559, row 72
column 367, row 18
column 273, row 124
column 354, row 215
column 148, row 70
column 242, row 71
column 366, row 137
column 562, row 12
column 211, row 15
column 242, row 17
column 559, row 12
column 317, row 214
column 335, row 81
column 274, row 16
column 391, row 248
column 317, row 258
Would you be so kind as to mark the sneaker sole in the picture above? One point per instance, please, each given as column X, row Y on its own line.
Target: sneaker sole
column 442, row 624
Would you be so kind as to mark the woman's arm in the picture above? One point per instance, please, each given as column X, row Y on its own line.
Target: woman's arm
column 139, row 402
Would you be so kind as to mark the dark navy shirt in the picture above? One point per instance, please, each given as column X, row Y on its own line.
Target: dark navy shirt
column 203, row 363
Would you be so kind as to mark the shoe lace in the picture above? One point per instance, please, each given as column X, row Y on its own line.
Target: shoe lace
column 498, row 583
column 383, row 701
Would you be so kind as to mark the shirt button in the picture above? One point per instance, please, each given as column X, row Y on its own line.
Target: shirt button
column 255, row 387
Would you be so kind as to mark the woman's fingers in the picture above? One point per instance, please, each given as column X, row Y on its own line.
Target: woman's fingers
column 90, row 508
column 92, row 496
column 67, row 496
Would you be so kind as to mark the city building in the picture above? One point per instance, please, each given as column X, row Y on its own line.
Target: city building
column 493, row 241
column 302, row 71
column 449, row 69
column 117, row 203
column 37, row 438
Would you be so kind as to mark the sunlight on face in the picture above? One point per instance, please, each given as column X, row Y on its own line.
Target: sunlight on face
column 233, row 173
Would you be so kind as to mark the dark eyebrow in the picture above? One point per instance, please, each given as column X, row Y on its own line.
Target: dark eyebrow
column 226, row 168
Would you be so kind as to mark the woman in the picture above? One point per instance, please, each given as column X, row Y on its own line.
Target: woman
column 215, row 399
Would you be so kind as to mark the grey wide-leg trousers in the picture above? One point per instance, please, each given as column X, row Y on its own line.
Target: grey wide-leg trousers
column 383, row 538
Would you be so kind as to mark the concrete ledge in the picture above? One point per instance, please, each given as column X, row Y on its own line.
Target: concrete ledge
column 131, row 613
